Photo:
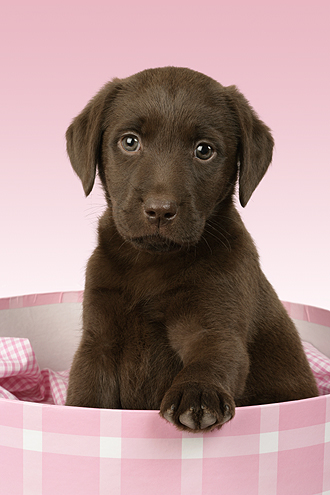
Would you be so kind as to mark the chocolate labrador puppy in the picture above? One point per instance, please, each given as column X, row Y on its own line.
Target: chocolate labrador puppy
column 177, row 314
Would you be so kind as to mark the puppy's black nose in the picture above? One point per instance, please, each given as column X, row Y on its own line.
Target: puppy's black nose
column 160, row 211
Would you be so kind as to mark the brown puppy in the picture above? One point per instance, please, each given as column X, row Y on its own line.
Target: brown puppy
column 177, row 314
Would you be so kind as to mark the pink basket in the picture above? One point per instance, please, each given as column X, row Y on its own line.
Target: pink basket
column 46, row 450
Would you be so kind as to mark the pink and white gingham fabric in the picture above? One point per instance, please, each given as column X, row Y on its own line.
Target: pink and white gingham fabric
column 22, row 379
column 320, row 365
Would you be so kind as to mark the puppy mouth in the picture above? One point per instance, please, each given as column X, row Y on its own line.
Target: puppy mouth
column 156, row 244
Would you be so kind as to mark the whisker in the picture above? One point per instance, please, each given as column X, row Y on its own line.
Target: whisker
column 122, row 244
column 219, row 228
column 208, row 245
column 225, row 244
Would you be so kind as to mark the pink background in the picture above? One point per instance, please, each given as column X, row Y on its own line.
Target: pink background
column 56, row 55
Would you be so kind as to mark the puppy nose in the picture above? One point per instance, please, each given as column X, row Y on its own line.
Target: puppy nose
column 160, row 211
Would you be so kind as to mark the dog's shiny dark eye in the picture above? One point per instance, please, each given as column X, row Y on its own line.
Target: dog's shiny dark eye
column 130, row 143
column 204, row 151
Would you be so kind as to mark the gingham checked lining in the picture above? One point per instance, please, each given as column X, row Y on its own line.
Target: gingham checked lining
column 320, row 365
column 22, row 379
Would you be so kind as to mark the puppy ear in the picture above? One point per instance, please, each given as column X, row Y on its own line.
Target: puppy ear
column 255, row 145
column 84, row 135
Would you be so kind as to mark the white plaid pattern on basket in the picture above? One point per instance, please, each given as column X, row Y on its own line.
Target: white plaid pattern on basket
column 279, row 449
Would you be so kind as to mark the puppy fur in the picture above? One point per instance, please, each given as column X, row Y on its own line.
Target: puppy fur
column 177, row 314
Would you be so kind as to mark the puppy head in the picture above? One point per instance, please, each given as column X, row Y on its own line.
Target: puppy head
column 168, row 144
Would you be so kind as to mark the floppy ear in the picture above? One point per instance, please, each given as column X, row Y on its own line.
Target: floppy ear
column 84, row 136
column 255, row 145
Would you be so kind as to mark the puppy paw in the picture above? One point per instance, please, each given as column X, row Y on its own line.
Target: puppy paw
column 194, row 407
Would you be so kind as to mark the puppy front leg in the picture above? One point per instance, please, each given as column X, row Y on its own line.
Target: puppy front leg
column 93, row 380
column 201, row 396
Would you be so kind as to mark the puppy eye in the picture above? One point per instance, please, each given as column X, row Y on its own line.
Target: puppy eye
column 204, row 151
column 130, row 143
